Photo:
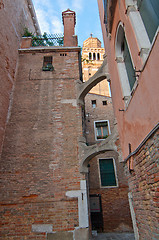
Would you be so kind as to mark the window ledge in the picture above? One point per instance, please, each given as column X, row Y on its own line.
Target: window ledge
column 147, row 52
column 127, row 99
column 48, row 69
column 109, row 186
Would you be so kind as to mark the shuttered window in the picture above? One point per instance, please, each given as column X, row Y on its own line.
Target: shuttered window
column 149, row 11
column 107, row 172
column 102, row 131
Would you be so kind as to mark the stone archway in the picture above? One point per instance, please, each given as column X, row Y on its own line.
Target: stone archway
column 88, row 152
column 84, row 88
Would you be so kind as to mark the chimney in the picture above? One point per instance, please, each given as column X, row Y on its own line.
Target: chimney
column 69, row 22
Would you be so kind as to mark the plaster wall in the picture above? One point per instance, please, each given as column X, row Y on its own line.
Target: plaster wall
column 141, row 115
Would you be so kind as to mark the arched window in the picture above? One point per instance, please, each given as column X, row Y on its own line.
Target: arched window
column 125, row 64
column 94, row 56
column 98, row 56
column 90, row 56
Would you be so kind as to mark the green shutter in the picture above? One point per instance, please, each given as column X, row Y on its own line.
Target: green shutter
column 149, row 11
column 107, row 172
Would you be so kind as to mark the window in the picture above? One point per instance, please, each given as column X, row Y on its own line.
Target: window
column 94, row 103
column 90, row 56
column 102, row 129
column 63, row 54
column 128, row 63
column 107, row 172
column 149, row 11
column 94, row 56
column 105, row 11
column 105, row 103
column 125, row 65
column 98, row 56
column 144, row 17
column 47, row 64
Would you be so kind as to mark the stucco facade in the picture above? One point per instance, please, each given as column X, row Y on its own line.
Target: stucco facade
column 132, row 51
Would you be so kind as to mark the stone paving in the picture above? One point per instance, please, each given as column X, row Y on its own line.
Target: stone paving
column 114, row 236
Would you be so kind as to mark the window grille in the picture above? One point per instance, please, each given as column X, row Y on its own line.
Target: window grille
column 47, row 64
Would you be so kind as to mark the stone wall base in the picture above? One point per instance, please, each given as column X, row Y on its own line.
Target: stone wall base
column 78, row 234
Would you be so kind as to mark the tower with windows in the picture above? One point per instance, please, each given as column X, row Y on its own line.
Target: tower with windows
column 92, row 59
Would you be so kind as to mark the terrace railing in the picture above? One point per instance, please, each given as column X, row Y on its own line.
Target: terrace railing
column 48, row 40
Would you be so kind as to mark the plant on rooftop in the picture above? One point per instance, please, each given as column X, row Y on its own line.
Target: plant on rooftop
column 45, row 39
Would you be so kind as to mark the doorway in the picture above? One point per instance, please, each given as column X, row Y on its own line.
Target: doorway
column 96, row 212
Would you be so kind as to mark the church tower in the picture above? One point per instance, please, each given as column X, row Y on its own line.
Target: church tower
column 92, row 59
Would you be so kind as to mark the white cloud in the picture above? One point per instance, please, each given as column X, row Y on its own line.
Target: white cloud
column 77, row 5
column 42, row 19
column 63, row 4
column 56, row 25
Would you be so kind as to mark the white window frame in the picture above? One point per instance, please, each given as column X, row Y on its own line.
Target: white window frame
column 95, row 131
column 143, row 41
column 115, row 172
column 124, row 80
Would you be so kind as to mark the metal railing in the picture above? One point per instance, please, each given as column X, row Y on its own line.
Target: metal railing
column 48, row 40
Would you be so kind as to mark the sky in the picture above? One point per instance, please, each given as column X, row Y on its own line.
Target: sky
column 49, row 14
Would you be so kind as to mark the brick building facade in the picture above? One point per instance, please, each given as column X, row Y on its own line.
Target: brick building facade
column 105, row 201
column 92, row 58
column 44, row 187
column 14, row 17
column 43, row 192
column 108, row 200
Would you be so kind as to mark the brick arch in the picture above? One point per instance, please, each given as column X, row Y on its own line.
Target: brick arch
column 84, row 88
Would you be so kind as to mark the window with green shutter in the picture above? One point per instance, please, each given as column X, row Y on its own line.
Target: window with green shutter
column 107, row 172
column 149, row 11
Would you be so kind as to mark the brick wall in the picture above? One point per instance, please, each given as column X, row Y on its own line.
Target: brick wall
column 144, row 185
column 14, row 16
column 40, row 154
column 114, row 200
column 115, row 206
column 100, row 112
